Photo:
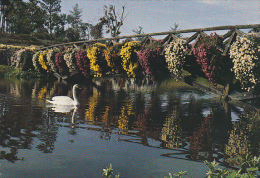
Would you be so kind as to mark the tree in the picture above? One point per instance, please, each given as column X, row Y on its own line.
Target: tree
column 51, row 8
column 36, row 15
column 112, row 21
column 18, row 18
column 4, row 4
column 254, row 30
column 139, row 31
column 97, row 30
column 78, row 28
column 175, row 28
column 59, row 22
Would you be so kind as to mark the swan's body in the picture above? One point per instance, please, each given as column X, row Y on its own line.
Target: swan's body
column 65, row 100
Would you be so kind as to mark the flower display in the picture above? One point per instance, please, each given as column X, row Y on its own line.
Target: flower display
column 175, row 57
column 82, row 62
column 129, row 57
column 244, row 54
column 51, row 59
column 70, row 60
column 43, row 61
column 151, row 59
column 98, row 63
column 112, row 56
column 35, row 61
column 208, row 55
column 61, row 64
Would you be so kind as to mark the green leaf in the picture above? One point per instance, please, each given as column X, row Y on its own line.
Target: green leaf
column 251, row 169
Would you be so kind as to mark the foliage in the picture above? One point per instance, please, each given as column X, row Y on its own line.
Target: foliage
column 251, row 165
column 175, row 57
column 11, row 72
column 98, row 63
column 32, row 17
column 129, row 57
column 51, row 59
column 97, row 30
column 61, row 64
column 82, row 62
column 112, row 56
column 51, row 8
column 139, row 31
column 78, row 29
column 70, row 59
column 244, row 54
column 208, row 54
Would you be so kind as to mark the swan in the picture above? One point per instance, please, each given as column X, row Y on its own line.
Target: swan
column 65, row 100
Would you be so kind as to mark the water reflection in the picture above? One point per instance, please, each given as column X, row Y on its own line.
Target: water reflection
column 185, row 122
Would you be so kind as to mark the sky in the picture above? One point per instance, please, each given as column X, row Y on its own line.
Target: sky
column 160, row 15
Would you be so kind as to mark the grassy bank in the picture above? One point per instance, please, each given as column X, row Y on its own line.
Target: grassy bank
column 28, row 40
column 11, row 72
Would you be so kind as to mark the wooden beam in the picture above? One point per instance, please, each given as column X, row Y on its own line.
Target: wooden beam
column 194, row 36
column 164, row 33
column 228, row 34
column 229, row 42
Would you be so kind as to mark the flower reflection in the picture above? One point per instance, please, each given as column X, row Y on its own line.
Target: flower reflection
column 243, row 139
column 172, row 131
column 92, row 106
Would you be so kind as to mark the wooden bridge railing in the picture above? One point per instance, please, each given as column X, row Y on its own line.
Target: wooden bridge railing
column 229, row 37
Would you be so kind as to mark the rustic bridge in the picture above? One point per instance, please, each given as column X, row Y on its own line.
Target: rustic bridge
column 229, row 37
column 193, row 35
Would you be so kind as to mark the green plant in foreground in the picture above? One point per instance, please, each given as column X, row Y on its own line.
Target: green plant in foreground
column 248, row 169
column 177, row 175
column 108, row 172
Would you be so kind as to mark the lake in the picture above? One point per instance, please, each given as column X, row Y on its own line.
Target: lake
column 143, row 130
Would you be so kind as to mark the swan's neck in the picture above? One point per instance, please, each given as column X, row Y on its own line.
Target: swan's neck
column 75, row 96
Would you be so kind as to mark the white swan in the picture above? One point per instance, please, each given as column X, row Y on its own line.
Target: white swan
column 65, row 100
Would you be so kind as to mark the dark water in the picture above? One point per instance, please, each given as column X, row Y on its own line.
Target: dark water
column 143, row 130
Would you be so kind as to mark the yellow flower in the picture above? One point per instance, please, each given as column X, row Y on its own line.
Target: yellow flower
column 129, row 57
column 96, row 56
column 42, row 60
